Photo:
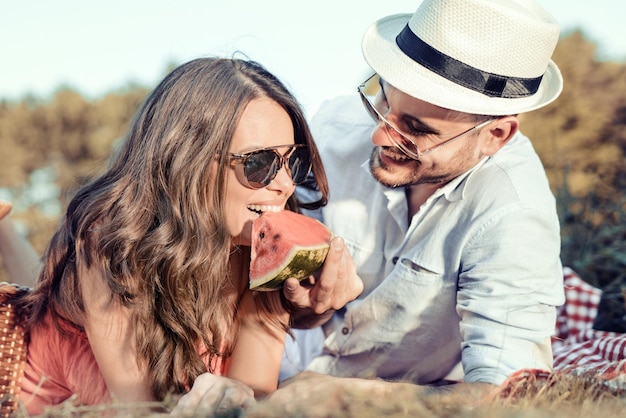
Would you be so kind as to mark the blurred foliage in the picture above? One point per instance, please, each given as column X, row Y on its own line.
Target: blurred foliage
column 581, row 139
column 52, row 146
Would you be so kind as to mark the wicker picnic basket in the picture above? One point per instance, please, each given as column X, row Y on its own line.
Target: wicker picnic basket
column 12, row 348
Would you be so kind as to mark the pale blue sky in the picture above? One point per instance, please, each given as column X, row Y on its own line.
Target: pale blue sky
column 96, row 46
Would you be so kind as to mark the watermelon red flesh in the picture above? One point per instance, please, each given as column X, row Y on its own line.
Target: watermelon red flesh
column 286, row 244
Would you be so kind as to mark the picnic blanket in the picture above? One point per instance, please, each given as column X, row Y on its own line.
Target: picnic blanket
column 579, row 347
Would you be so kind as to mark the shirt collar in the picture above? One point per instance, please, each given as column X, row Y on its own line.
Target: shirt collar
column 454, row 190
column 366, row 166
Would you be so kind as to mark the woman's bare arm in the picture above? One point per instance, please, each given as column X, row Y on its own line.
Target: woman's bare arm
column 258, row 352
column 19, row 258
column 111, row 337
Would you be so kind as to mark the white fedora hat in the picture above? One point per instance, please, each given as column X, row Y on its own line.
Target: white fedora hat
column 489, row 57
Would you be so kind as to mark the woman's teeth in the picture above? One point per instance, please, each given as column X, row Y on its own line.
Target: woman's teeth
column 264, row 208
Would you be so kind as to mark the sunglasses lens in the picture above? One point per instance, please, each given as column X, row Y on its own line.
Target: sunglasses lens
column 398, row 138
column 261, row 168
column 401, row 141
column 369, row 107
column 299, row 165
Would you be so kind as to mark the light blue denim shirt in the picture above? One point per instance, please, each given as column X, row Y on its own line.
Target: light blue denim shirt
column 474, row 277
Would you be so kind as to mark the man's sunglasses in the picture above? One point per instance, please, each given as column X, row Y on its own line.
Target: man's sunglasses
column 257, row 169
column 404, row 142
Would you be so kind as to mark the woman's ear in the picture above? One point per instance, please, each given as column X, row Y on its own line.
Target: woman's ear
column 498, row 134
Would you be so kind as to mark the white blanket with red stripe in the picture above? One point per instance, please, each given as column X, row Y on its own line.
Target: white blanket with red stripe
column 580, row 349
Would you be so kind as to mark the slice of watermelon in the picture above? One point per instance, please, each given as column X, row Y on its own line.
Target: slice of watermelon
column 286, row 244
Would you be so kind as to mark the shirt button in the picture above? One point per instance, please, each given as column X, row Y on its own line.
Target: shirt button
column 394, row 260
column 345, row 330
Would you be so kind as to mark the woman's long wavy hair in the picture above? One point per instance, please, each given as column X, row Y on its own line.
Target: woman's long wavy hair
column 154, row 226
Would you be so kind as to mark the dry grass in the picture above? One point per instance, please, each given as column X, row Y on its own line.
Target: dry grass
column 562, row 397
column 557, row 397
column 122, row 410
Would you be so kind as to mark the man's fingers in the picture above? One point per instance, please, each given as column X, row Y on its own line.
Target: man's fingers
column 336, row 285
column 296, row 294
column 322, row 294
column 353, row 285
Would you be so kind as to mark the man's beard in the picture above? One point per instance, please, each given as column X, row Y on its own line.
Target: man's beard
column 410, row 176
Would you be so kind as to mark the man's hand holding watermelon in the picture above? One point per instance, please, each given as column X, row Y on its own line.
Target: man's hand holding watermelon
column 299, row 255
column 335, row 285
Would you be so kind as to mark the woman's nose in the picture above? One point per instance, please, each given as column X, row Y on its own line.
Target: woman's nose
column 283, row 181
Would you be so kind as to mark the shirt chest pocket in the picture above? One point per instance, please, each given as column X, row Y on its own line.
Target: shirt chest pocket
column 407, row 300
column 415, row 270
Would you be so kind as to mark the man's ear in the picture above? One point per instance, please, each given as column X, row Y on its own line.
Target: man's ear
column 498, row 134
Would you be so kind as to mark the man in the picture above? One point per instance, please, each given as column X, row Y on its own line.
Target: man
column 450, row 221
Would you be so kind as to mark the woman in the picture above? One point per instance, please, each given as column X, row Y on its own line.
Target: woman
column 144, row 286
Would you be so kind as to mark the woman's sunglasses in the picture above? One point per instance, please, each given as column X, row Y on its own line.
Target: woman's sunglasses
column 257, row 169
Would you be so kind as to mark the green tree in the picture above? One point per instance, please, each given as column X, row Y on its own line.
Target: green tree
column 53, row 146
column 582, row 142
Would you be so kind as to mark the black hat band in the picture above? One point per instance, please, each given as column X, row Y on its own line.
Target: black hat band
column 492, row 85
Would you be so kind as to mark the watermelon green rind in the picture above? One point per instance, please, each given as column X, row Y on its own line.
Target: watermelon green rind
column 300, row 264
column 286, row 244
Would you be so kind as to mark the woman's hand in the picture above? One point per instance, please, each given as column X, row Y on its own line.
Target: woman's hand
column 19, row 258
column 5, row 208
column 214, row 395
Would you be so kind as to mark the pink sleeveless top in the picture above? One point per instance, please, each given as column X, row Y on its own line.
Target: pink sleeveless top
column 59, row 366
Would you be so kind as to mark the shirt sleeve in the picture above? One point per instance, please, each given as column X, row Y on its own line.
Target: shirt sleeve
column 510, row 284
